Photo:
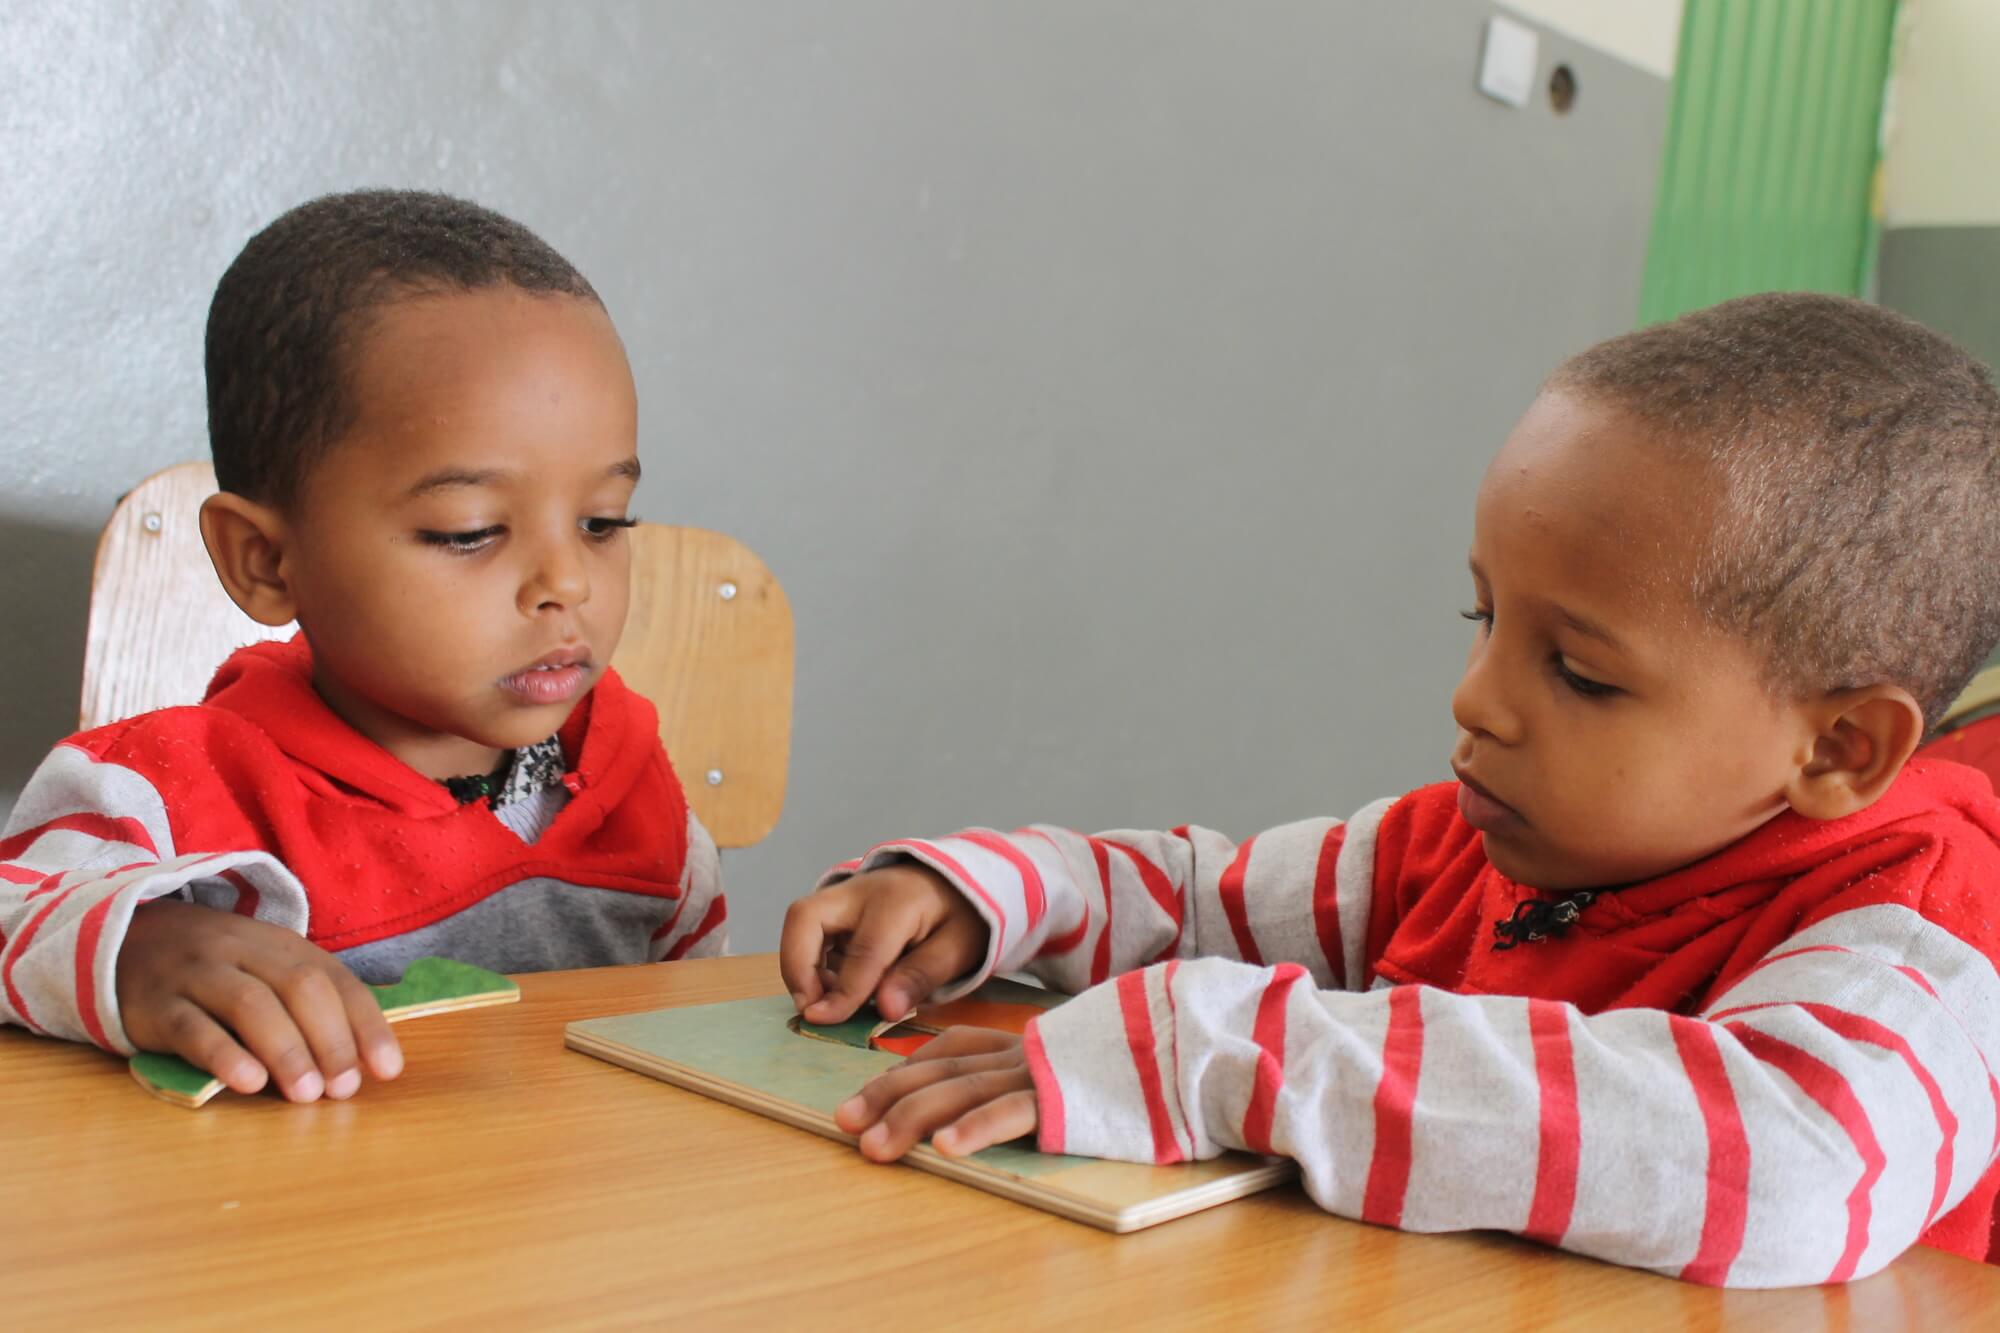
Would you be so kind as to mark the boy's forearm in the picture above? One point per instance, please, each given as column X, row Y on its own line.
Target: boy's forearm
column 1806, row 1140
column 87, row 843
column 58, row 969
column 58, row 963
column 1075, row 909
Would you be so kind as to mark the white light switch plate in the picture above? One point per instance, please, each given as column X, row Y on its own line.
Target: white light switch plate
column 1507, row 69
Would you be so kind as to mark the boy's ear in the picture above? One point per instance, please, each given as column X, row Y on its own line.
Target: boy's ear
column 1864, row 737
column 246, row 543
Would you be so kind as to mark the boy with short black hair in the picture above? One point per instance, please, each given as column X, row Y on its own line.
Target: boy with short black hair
column 425, row 432
column 1690, row 970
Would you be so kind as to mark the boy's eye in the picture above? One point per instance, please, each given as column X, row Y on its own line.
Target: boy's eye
column 1584, row 685
column 461, row 543
column 604, row 529
column 1483, row 617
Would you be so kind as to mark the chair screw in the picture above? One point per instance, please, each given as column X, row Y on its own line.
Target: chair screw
column 715, row 777
column 727, row 592
column 152, row 522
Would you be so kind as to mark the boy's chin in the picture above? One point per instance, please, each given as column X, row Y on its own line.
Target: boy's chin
column 520, row 740
column 523, row 726
column 1534, row 868
column 1552, row 872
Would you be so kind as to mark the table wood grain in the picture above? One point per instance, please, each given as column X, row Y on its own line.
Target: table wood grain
column 504, row 1182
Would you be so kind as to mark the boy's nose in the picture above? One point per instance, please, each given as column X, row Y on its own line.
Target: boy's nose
column 560, row 579
column 1479, row 704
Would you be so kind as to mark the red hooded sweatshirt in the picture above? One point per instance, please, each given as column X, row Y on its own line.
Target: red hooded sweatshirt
column 260, row 800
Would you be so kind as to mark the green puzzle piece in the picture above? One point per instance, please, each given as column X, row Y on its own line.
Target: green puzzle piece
column 867, row 1022
column 855, row 1032
column 171, row 1077
column 435, row 985
column 429, row 986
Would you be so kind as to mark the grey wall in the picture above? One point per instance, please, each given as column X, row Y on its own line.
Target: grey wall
column 1948, row 277
column 1107, row 382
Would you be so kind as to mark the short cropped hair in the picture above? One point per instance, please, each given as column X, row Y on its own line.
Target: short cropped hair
column 1857, row 538
column 290, row 310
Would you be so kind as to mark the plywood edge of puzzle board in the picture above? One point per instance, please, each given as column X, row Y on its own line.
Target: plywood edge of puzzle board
column 441, row 986
column 453, row 1006
column 1113, row 1196
column 1138, row 1196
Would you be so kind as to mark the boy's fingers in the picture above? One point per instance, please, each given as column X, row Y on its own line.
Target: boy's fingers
column 886, row 1091
column 319, row 1012
column 880, row 1093
column 1006, row 1117
column 950, row 952
column 379, row 1049
column 961, row 1041
column 935, row 1105
column 877, row 941
column 249, row 1009
column 206, row 1044
column 801, row 945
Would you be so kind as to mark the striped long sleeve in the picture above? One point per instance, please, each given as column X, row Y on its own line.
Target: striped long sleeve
column 697, row 927
column 1774, row 1067
column 88, row 842
column 1808, row 1127
column 1075, row 909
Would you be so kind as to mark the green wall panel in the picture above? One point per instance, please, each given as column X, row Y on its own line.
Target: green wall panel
column 1767, row 178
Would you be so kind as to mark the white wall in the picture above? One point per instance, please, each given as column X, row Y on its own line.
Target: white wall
column 1645, row 33
column 1941, row 160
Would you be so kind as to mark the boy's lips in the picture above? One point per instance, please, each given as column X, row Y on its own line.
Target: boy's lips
column 1482, row 809
column 552, row 678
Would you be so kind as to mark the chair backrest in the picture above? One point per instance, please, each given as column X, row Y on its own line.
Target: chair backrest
column 708, row 639
column 1969, row 731
column 1979, row 698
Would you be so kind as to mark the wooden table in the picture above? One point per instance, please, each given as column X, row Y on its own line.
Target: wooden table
column 504, row 1182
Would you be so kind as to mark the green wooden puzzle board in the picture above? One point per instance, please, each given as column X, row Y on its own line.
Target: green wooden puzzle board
column 744, row 1052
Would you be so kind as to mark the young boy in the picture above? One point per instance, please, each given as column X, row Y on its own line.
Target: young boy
column 1688, row 970
column 425, row 432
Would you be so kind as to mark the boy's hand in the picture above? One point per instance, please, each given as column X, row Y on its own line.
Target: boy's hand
column 206, row 984
column 968, row 1089
column 897, row 934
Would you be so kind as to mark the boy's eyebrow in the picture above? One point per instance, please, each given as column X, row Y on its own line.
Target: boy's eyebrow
column 1587, row 626
column 1580, row 623
column 446, row 478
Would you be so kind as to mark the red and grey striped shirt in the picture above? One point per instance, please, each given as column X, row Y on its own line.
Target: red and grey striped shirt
column 1773, row 1067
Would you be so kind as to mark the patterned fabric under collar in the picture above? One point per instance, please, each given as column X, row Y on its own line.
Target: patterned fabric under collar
column 1541, row 918
column 530, row 769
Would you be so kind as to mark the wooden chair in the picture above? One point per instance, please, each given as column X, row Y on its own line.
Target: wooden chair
column 1979, row 699
column 708, row 639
